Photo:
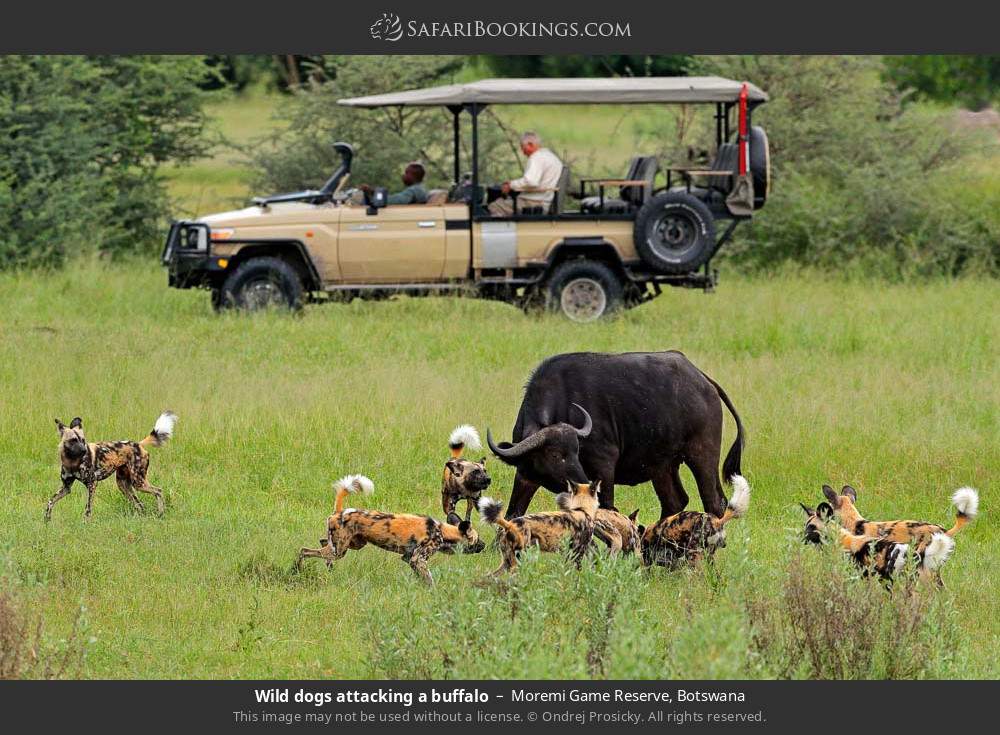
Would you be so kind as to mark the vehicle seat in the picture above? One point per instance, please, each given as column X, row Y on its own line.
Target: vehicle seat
column 437, row 197
column 558, row 205
column 727, row 158
column 640, row 167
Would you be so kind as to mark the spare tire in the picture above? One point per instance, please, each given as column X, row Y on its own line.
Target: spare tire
column 674, row 233
column 760, row 165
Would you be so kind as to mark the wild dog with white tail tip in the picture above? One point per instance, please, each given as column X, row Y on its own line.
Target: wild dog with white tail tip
column 872, row 543
column 548, row 531
column 415, row 537
column 690, row 535
column 89, row 463
column 463, row 479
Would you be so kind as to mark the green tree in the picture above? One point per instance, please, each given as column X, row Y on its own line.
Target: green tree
column 81, row 141
column 302, row 156
column 969, row 80
column 579, row 65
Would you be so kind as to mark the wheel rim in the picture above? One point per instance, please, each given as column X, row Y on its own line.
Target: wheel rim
column 583, row 300
column 262, row 293
column 673, row 236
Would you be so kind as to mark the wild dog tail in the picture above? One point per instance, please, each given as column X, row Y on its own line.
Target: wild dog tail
column 738, row 504
column 490, row 509
column 966, row 502
column 351, row 484
column 464, row 436
column 163, row 429
column 938, row 551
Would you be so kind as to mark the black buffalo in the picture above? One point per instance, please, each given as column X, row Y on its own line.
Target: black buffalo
column 643, row 414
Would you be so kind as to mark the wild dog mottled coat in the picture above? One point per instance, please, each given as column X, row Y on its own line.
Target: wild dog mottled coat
column 415, row 537
column 619, row 532
column 574, row 521
column 689, row 535
column 463, row 479
column 90, row 463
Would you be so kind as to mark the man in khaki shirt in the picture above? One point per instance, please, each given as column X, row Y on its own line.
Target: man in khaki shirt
column 537, row 187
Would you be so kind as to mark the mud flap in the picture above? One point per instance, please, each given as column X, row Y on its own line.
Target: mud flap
column 740, row 199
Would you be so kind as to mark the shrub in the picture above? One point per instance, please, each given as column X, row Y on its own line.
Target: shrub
column 827, row 622
column 81, row 141
column 301, row 154
column 25, row 653
column 859, row 180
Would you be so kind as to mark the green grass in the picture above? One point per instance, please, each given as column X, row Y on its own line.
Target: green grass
column 890, row 388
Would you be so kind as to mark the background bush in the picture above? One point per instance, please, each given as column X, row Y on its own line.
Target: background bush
column 859, row 180
column 302, row 156
column 81, row 141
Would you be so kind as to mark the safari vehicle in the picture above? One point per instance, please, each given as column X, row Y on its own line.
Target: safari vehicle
column 611, row 244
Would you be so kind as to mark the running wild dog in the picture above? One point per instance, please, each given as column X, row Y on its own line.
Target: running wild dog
column 883, row 546
column 128, row 461
column 463, row 479
column 548, row 530
column 415, row 537
column 690, row 535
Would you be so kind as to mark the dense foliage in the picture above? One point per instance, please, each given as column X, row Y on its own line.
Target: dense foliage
column 301, row 155
column 862, row 180
column 969, row 80
column 81, row 140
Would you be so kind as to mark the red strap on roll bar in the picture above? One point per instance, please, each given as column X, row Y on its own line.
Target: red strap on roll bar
column 744, row 157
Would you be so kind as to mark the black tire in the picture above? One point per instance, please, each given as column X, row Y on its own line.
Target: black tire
column 674, row 233
column 261, row 283
column 583, row 290
column 760, row 165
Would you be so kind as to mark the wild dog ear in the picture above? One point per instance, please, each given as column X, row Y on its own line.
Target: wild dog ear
column 831, row 495
column 76, row 423
column 60, row 426
column 454, row 466
column 595, row 488
column 634, row 515
column 808, row 511
column 642, row 530
column 824, row 510
column 850, row 492
column 570, row 487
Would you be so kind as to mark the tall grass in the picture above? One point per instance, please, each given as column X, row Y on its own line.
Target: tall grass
column 889, row 388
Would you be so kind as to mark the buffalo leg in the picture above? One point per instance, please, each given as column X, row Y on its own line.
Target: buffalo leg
column 520, row 497
column 705, row 468
column 670, row 491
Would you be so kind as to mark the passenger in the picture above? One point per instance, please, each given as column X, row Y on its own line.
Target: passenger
column 414, row 193
column 537, row 187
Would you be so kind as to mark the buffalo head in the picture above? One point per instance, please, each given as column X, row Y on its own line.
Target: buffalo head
column 550, row 456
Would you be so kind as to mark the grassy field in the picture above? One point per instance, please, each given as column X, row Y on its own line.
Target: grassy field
column 890, row 388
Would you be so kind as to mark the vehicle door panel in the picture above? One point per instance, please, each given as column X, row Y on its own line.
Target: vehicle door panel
column 402, row 243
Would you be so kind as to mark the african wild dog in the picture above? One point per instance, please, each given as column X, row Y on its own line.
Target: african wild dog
column 690, row 534
column 965, row 500
column 619, row 532
column 881, row 556
column 89, row 463
column 414, row 537
column 883, row 546
column 548, row 531
column 463, row 479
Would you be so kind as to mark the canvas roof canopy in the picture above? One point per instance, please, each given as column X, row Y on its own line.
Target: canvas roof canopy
column 625, row 90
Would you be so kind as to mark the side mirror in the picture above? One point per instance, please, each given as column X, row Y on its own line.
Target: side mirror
column 378, row 198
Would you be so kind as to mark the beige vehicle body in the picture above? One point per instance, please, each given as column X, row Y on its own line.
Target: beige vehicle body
column 615, row 246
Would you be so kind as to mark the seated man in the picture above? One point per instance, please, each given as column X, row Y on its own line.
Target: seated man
column 537, row 187
column 414, row 193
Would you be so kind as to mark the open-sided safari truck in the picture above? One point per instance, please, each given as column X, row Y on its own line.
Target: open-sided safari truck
column 612, row 243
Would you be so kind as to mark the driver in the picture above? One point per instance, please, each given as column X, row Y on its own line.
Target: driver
column 414, row 193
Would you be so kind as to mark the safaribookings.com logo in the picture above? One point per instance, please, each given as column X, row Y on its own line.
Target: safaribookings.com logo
column 390, row 28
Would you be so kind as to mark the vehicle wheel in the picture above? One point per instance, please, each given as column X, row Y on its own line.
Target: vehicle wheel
column 674, row 232
column 760, row 165
column 584, row 290
column 262, row 283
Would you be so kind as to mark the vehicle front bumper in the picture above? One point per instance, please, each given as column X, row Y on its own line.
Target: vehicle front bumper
column 188, row 256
